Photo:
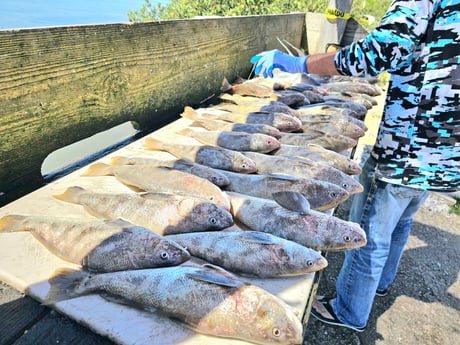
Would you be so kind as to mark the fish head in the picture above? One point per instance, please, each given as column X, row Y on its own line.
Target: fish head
column 351, row 185
column 286, row 123
column 274, row 322
column 163, row 253
column 243, row 164
column 263, row 143
column 211, row 216
column 302, row 260
column 346, row 235
column 327, row 195
column 353, row 168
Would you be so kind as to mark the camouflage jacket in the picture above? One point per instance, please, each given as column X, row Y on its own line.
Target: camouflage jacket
column 418, row 42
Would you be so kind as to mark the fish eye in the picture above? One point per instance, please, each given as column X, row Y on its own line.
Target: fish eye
column 164, row 255
column 309, row 263
column 213, row 179
column 212, row 220
column 212, row 198
column 347, row 238
column 276, row 332
column 333, row 194
column 345, row 185
column 243, row 166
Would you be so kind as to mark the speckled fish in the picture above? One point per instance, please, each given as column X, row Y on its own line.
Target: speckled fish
column 185, row 165
column 99, row 245
column 216, row 125
column 212, row 156
column 161, row 179
column 302, row 167
column 319, row 154
column 281, row 121
column 334, row 142
column 238, row 141
column 162, row 213
column 326, row 112
column 252, row 253
column 322, row 195
column 357, row 87
column 311, row 229
column 207, row 299
column 366, row 100
column 357, row 108
column 336, row 126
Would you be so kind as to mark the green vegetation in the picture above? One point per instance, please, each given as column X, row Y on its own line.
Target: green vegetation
column 181, row 9
column 456, row 208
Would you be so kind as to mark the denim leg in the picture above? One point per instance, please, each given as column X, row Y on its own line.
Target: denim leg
column 378, row 210
column 399, row 239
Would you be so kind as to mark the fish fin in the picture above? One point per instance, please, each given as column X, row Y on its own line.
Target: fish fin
column 70, row 195
column 12, row 223
column 186, row 161
column 316, row 147
column 226, row 86
column 153, row 144
column 216, row 275
column 63, row 285
column 119, row 160
column 190, row 113
column 257, row 237
column 98, row 169
column 283, row 177
column 155, row 195
column 293, row 201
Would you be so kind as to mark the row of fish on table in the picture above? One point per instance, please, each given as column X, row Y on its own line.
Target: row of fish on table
column 250, row 199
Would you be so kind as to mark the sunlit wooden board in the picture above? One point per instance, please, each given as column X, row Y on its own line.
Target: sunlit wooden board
column 27, row 265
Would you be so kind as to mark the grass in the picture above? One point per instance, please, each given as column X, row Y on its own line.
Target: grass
column 455, row 209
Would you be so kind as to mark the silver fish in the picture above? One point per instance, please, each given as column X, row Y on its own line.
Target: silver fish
column 328, row 112
column 184, row 165
column 252, row 253
column 99, row 245
column 319, row 154
column 314, row 229
column 161, row 213
column 238, row 141
column 207, row 299
column 334, row 142
column 214, row 157
column 303, row 167
column 322, row 195
column 161, row 179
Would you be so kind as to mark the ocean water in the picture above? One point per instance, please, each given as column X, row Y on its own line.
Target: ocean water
column 16, row 14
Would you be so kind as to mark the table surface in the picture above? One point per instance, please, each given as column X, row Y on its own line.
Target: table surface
column 27, row 265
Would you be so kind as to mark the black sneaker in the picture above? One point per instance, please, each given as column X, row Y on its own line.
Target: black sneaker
column 381, row 293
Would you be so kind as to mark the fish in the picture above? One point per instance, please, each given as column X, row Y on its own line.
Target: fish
column 212, row 156
column 353, row 86
column 205, row 298
column 334, row 127
column 361, row 98
column 162, row 179
column 252, row 253
column 359, row 109
column 237, row 141
column 99, row 245
column 322, row 195
column 247, row 88
column 182, row 164
column 329, row 114
column 334, row 142
column 217, row 125
column 320, row 154
column 303, row 167
column 161, row 213
column 332, row 111
column 315, row 230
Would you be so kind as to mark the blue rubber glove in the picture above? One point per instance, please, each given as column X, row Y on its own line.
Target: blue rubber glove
column 267, row 61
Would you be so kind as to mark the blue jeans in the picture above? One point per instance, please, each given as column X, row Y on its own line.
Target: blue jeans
column 385, row 212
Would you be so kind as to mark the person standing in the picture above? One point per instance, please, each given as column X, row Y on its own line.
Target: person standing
column 417, row 149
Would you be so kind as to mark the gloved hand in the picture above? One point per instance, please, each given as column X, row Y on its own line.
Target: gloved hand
column 267, row 61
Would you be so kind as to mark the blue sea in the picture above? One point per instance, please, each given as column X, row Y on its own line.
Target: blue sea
column 16, row 14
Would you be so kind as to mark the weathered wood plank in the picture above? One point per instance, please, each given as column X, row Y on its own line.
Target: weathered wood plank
column 62, row 84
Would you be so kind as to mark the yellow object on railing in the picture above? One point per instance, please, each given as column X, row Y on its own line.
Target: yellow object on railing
column 335, row 13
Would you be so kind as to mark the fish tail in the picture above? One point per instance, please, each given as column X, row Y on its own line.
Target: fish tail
column 153, row 144
column 11, row 223
column 64, row 285
column 190, row 113
column 226, row 86
column 98, row 169
column 70, row 195
column 186, row 131
column 119, row 160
